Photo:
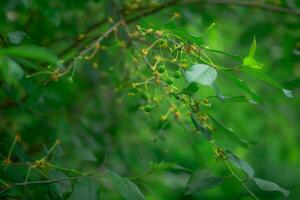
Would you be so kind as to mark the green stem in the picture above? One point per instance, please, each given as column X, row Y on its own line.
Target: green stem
column 73, row 171
column 240, row 180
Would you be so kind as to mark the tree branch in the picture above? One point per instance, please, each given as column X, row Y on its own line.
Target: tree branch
column 249, row 4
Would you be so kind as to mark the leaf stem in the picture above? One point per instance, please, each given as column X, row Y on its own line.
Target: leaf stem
column 240, row 180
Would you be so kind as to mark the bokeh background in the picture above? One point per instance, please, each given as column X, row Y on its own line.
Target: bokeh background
column 101, row 127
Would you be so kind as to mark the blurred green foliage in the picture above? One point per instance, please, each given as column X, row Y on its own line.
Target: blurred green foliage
column 112, row 99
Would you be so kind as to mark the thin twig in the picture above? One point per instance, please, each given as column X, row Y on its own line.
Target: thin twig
column 240, row 180
column 248, row 3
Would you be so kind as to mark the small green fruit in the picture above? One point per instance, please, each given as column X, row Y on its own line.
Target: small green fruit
column 160, row 69
column 70, row 80
column 144, row 96
column 147, row 108
column 177, row 74
column 169, row 81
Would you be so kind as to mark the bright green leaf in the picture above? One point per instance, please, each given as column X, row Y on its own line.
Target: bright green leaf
column 251, row 62
column 252, row 48
column 31, row 52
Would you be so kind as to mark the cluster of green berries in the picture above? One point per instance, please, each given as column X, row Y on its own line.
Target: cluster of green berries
column 177, row 74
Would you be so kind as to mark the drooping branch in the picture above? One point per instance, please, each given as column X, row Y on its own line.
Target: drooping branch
column 156, row 9
column 249, row 4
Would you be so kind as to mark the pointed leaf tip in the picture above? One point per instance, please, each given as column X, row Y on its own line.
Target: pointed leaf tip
column 270, row 186
column 288, row 93
column 252, row 48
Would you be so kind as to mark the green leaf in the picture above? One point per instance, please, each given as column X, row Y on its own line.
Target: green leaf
column 86, row 154
column 241, row 164
column 270, row 186
column 161, row 166
column 10, row 71
column 242, row 85
column 85, row 188
column 59, row 189
column 252, row 48
column 16, row 37
column 202, row 74
column 202, row 180
column 190, row 89
column 235, row 57
column 126, row 187
column 288, row 93
column 252, row 62
column 181, row 34
column 241, row 99
column 229, row 133
column 52, row 15
column 262, row 76
column 31, row 52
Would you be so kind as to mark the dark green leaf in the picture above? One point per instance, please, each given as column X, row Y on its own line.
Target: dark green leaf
column 239, row 163
column 126, row 187
column 52, row 15
column 202, row 180
column 270, row 186
column 235, row 57
column 85, row 188
column 86, row 154
column 242, row 85
column 190, row 89
column 59, row 189
column 229, row 133
column 234, row 99
column 259, row 74
column 181, row 34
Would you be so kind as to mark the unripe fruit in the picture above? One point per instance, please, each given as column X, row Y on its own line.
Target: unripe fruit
column 144, row 96
column 169, row 81
column 147, row 108
column 160, row 69
column 177, row 74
